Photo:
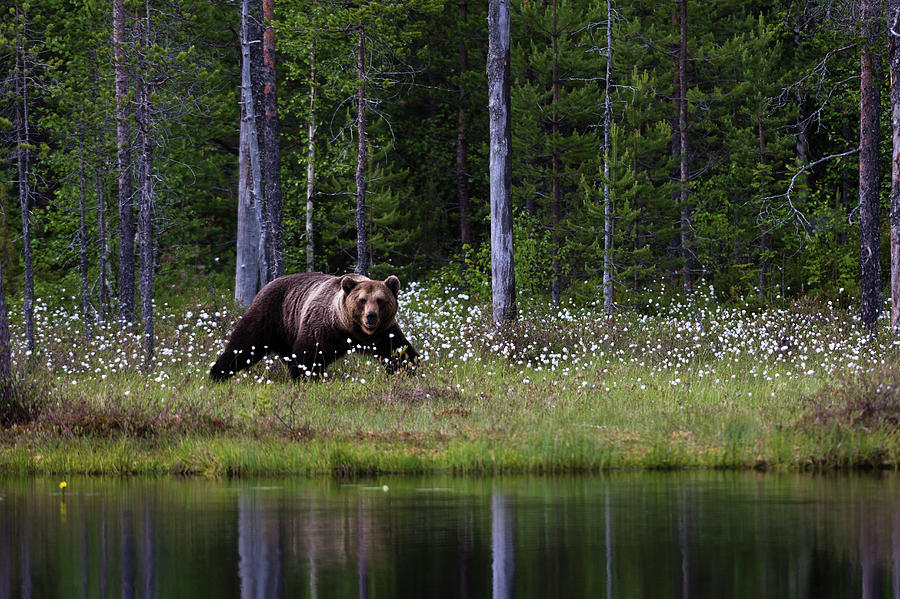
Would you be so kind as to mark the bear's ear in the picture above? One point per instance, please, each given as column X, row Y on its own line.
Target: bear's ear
column 393, row 283
column 348, row 283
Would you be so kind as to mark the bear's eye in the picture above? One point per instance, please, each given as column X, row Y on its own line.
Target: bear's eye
column 361, row 302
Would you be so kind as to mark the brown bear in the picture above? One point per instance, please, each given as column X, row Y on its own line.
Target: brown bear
column 311, row 319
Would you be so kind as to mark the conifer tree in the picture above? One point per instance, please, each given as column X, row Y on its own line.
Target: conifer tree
column 123, row 157
column 870, row 230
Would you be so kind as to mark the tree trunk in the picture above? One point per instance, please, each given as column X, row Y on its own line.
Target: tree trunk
column 271, row 156
column 870, row 233
column 802, row 142
column 764, row 236
column 145, row 207
column 361, row 251
column 123, row 158
column 503, row 274
column 250, row 233
column 23, row 160
column 683, row 144
column 607, row 199
column 102, row 250
column 555, row 283
column 257, row 93
column 82, row 240
column 462, row 180
column 893, row 22
column 311, row 165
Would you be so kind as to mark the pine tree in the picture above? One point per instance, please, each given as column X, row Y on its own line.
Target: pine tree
column 870, row 230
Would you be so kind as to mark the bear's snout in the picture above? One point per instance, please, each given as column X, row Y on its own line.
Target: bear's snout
column 371, row 319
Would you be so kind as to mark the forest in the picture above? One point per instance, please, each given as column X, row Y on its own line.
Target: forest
column 165, row 148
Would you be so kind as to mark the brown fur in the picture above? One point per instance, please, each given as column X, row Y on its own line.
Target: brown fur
column 311, row 319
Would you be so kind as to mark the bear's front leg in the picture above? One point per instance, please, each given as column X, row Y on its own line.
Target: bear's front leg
column 309, row 359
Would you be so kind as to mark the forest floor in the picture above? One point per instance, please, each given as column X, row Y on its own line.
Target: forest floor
column 565, row 389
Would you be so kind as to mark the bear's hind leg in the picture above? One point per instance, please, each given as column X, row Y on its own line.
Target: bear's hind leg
column 244, row 349
column 234, row 359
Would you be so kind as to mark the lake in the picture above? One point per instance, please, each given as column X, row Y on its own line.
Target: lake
column 624, row 534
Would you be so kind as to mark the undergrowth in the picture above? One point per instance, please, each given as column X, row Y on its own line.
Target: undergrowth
column 566, row 388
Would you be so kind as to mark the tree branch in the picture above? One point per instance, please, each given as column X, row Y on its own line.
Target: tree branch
column 787, row 194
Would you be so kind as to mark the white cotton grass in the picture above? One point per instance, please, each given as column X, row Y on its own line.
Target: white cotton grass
column 676, row 341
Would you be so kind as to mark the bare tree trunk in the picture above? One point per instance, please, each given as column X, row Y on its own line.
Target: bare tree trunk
column 683, row 139
column 554, row 164
column 271, row 157
column 311, row 165
column 503, row 274
column 462, row 180
column 764, row 236
column 893, row 22
column 802, row 141
column 102, row 250
column 361, row 251
column 82, row 241
column 608, row 304
column 123, row 157
column 23, row 159
column 250, row 233
column 870, row 233
column 145, row 208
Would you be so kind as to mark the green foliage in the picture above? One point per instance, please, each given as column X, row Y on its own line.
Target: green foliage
column 771, row 88
column 532, row 248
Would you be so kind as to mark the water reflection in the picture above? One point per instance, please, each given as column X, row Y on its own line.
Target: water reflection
column 503, row 532
column 622, row 535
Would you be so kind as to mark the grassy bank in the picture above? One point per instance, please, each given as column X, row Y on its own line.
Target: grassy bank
column 564, row 390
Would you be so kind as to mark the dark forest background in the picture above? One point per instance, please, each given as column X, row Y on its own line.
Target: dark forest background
column 753, row 207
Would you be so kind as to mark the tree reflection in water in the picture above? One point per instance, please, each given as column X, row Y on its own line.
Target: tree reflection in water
column 624, row 534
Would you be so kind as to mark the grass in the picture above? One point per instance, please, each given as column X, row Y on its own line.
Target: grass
column 565, row 389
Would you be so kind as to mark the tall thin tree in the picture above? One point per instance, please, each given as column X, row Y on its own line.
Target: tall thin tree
column 503, row 274
column 683, row 144
column 271, row 153
column 311, row 162
column 123, row 158
column 361, row 248
column 86, row 315
column 145, row 177
column 250, row 233
column 23, row 160
column 869, row 226
column 556, row 283
column 893, row 25
column 607, row 198
column 102, row 249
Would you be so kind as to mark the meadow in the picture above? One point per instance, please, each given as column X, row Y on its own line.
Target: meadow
column 667, row 384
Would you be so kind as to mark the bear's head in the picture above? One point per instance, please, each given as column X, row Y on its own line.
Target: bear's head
column 371, row 305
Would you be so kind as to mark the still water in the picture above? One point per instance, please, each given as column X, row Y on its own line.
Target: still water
column 694, row 534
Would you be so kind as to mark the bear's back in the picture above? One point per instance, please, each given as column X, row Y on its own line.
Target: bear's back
column 305, row 299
